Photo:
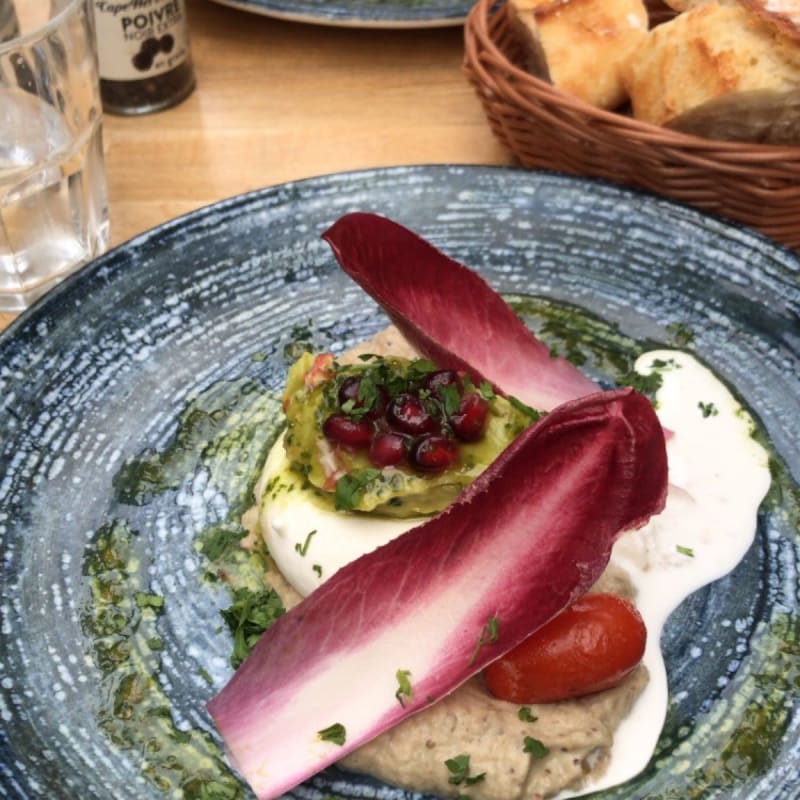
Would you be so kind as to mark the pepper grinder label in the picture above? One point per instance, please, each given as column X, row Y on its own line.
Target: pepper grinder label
column 137, row 39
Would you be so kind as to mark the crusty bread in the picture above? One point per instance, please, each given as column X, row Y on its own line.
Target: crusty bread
column 585, row 43
column 715, row 60
column 784, row 15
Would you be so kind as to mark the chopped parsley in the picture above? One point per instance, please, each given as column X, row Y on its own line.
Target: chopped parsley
column 293, row 350
column 664, row 364
column 450, row 398
column 487, row 390
column 458, row 768
column 368, row 396
column 302, row 331
column 403, row 686
column 145, row 600
column 350, row 487
column 707, row 409
column 685, row 551
column 524, row 408
column 420, row 367
column 219, row 541
column 525, row 714
column 646, row 384
column 248, row 617
column 303, row 548
column 335, row 733
column 680, row 334
column 534, row 747
column 489, row 634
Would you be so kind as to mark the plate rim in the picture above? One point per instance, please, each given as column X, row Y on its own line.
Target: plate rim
column 275, row 10
column 728, row 228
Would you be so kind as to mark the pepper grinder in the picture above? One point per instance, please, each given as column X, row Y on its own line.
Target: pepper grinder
column 143, row 54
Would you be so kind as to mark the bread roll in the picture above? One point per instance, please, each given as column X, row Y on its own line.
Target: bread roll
column 678, row 5
column 783, row 15
column 721, row 71
column 583, row 43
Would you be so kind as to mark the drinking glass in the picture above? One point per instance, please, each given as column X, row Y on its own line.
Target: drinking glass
column 53, row 206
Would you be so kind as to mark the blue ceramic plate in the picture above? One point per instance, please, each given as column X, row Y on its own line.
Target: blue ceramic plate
column 125, row 392
column 361, row 13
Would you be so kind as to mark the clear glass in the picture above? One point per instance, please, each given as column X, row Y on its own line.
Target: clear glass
column 53, row 204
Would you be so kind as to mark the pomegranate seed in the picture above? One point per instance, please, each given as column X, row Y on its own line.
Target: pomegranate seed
column 469, row 421
column 349, row 393
column 381, row 403
column 406, row 413
column 350, row 432
column 349, row 390
column 433, row 453
column 443, row 377
column 387, row 449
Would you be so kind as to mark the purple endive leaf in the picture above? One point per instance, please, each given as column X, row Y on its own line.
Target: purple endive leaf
column 449, row 313
column 530, row 535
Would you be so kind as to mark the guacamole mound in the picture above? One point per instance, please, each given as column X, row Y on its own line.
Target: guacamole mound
column 345, row 476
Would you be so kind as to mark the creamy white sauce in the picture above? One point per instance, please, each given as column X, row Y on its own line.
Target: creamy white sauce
column 718, row 476
column 289, row 516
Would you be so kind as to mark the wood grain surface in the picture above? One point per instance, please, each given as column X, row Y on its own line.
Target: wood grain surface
column 278, row 101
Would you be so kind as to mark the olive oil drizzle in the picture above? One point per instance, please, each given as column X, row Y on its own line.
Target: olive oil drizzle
column 126, row 647
column 225, row 431
column 228, row 431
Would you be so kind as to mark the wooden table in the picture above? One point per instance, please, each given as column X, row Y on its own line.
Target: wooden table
column 278, row 101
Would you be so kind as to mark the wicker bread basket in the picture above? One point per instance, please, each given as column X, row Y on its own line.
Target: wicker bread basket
column 758, row 185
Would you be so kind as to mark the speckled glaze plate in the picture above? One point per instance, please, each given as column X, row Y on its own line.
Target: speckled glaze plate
column 361, row 13
column 107, row 656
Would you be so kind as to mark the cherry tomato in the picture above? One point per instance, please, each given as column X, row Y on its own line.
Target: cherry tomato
column 590, row 646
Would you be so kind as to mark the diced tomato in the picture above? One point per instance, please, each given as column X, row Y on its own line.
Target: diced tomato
column 590, row 646
column 321, row 371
